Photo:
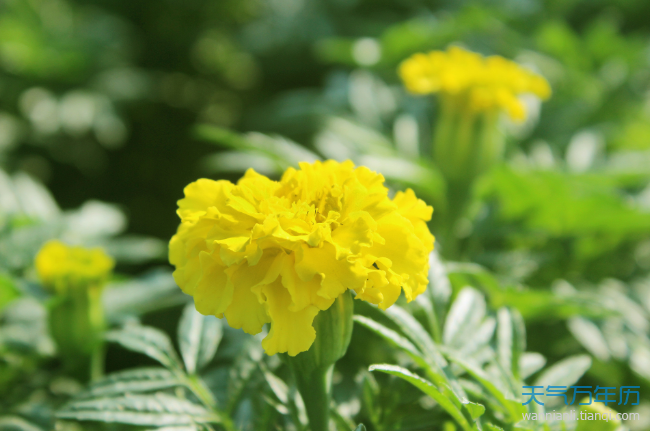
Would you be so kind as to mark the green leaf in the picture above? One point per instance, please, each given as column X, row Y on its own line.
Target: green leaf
column 436, row 371
column 369, row 397
column 15, row 423
column 178, row 428
column 242, row 372
column 412, row 328
column 465, row 315
column 361, row 427
column 154, row 291
column 511, row 339
column 8, row 291
column 132, row 381
column 198, row 337
column 148, row 341
column 564, row 373
column 426, row 387
column 476, row 410
column 530, row 363
column 393, row 338
column 143, row 410
column 514, row 408
column 439, row 292
column 590, row 336
column 279, row 387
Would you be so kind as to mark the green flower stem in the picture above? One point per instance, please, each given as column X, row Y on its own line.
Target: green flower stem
column 76, row 321
column 316, row 391
column 465, row 145
column 313, row 369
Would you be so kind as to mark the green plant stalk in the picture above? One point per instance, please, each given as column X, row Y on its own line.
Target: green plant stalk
column 466, row 144
column 198, row 388
column 313, row 369
column 76, row 320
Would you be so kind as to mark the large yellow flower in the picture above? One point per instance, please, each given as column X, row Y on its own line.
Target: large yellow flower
column 61, row 267
column 483, row 83
column 280, row 251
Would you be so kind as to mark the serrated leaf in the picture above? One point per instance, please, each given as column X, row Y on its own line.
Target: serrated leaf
column 155, row 290
column 132, row 381
column 198, row 337
column 148, row 341
column 512, row 407
column 241, row 374
column 590, row 336
column 438, row 373
column 511, row 339
column 143, row 410
column 476, row 410
column 479, row 338
column 564, row 373
column 426, row 387
column 466, row 313
column 15, row 423
column 393, row 338
column 414, row 330
column 530, row 363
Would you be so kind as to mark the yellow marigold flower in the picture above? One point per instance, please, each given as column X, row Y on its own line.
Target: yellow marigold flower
column 60, row 266
column 484, row 83
column 278, row 252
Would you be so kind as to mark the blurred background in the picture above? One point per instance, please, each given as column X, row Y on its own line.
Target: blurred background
column 100, row 98
column 109, row 108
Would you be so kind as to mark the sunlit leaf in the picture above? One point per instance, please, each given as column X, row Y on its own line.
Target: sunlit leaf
column 426, row 387
column 148, row 341
column 198, row 337
column 143, row 410
column 133, row 381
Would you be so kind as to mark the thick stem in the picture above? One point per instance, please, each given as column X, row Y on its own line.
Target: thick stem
column 315, row 389
column 313, row 369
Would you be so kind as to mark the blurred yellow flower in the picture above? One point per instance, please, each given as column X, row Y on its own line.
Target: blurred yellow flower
column 484, row 83
column 280, row 251
column 61, row 266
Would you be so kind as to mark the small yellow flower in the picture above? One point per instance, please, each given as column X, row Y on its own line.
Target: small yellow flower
column 278, row 252
column 484, row 83
column 61, row 266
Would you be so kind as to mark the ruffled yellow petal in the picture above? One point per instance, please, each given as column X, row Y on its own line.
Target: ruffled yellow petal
column 291, row 331
column 337, row 275
column 277, row 252
column 213, row 292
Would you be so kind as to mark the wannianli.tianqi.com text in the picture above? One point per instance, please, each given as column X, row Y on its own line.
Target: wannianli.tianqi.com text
column 580, row 416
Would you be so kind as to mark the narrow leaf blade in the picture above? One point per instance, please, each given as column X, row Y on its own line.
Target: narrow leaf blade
column 198, row 337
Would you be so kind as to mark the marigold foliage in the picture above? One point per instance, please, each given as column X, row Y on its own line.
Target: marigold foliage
column 487, row 83
column 278, row 252
column 61, row 267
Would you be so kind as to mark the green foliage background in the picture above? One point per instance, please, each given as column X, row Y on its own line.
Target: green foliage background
column 109, row 108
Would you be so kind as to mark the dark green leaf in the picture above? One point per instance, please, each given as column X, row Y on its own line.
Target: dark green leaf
column 143, row 410
column 148, row 341
column 133, row 381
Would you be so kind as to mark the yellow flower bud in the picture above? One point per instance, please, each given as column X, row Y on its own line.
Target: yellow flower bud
column 61, row 267
column 482, row 83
